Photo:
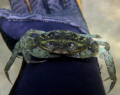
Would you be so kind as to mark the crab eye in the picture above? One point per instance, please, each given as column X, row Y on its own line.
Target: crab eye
column 74, row 36
column 71, row 46
column 81, row 38
column 50, row 45
column 33, row 35
column 51, row 34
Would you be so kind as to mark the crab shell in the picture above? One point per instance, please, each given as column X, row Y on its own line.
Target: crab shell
column 62, row 42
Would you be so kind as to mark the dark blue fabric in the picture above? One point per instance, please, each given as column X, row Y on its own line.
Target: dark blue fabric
column 17, row 29
column 10, row 42
column 60, row 76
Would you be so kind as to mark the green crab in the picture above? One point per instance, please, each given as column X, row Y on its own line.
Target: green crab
column 52, row 44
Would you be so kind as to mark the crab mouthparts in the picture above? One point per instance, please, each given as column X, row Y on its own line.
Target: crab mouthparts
column 60, row 51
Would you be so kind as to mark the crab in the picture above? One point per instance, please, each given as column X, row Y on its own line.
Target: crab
column 52, row 44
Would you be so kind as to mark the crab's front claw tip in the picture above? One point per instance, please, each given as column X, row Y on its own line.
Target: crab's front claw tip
column 111, row 86
column 7, row 75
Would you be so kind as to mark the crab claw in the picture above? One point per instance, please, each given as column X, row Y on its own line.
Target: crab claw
column 111, row 86
column 7, row 67
column 104, row 53
column 7, row 75
column 11, row 60
column 111, row 69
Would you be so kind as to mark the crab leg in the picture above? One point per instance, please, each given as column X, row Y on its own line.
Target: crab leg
column 27, row 57
column 103, row 53
column 107, row 46
column 11, row 60
column 92, row 36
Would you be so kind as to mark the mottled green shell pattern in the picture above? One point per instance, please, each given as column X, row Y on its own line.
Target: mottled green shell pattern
column 62, row 42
